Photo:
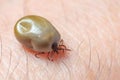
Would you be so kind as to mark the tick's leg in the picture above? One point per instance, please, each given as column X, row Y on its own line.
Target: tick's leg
column 49, row 56
column 61, row 49
column 61, row 42
column 67, row 49
column 62, row 46
column 37, row 54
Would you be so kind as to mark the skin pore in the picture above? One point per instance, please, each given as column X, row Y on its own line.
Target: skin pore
column 90, row 28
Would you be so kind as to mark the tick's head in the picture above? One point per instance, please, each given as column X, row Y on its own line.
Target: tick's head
column 55, row 47
column 58, row 48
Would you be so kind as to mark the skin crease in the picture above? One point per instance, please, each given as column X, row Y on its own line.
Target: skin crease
column 90, row 28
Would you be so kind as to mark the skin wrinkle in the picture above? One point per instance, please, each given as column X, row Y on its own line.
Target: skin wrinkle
column 87, row 67
column 110, row 20
column 1, row 54
column 64, row 12
column 17, row 63
column 25, row 8
column 44, row 68
column 1, row 76
column 101, row 70
column 86, row 73
column 66, row 20
column 109, row 70
column 89, row 63
column 117, row 54
column 111, row 64
column 99, row 63
column 15, row 68
column 27, row 68
column 89, row 51
column 47, row 70
column 78, row 49
column 47, row 75
column 53, row 75
column 108, row 13
column 0, row 49
column 97, row 75
column 57, row 72
column 9, row 65
column 80, row 75
column 69, row 72
column 4, row 20
column 27, row 65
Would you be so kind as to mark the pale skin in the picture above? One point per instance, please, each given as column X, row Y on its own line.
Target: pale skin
column 90, row 28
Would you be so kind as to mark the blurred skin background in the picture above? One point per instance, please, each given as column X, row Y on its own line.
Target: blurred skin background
column 90, row 28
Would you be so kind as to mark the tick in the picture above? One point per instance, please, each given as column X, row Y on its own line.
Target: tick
column 38, row 34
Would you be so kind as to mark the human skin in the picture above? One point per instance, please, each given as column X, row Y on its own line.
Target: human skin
column 90, row 28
